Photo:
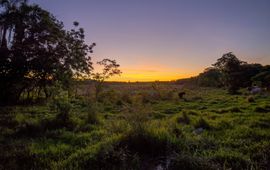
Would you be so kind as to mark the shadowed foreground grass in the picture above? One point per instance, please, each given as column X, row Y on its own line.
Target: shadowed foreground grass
column 208, row 129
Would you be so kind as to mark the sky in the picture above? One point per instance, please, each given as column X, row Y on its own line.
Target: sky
column 168, row 39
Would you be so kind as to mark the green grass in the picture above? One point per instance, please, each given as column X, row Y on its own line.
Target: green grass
column 139, row 131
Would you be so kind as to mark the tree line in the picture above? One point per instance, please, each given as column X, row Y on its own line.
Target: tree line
column 232, row 73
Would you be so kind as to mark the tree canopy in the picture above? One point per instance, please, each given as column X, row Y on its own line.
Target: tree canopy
column 230, row 67
column 211, row 77
column 232, row 73
column 36, row 51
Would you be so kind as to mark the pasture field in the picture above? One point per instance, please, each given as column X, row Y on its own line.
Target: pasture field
column 138, row 126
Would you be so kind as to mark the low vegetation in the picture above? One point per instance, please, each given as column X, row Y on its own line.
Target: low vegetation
column 78, row 133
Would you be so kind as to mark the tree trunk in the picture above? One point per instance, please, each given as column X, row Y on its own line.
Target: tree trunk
column 4, row 40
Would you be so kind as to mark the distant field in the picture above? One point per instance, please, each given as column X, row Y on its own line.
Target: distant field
column 88, row 88
column 138, row 126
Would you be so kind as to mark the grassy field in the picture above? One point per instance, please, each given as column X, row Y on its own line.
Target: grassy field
column 139, row 127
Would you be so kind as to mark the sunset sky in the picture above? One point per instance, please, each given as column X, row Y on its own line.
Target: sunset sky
column 169, row 39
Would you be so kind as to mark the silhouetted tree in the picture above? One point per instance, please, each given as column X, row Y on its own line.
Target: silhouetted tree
column 230, row 67
column 37, row 51
column 110, row 68
column 263, row 77
column 211, row 77
column 247, row 72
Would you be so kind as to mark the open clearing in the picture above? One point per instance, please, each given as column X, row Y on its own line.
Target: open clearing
column 140, row 128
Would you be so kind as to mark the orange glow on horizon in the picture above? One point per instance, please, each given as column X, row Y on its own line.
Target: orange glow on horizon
column 151, row 73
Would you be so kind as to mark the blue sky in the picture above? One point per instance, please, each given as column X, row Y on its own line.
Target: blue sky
column 158, row 39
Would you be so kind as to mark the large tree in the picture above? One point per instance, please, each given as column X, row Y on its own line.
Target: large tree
column 36, row 51
column 230, row 67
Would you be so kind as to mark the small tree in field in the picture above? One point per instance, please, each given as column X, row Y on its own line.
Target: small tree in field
column 230, row 67
column 110, row 68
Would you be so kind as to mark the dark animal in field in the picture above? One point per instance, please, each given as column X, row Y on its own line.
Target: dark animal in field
column 181, row 94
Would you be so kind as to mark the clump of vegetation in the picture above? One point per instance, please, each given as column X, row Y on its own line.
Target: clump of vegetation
column 92, row 114
column 202, row 123
column 147, row 142
column 181, row 95
column 177, row 131
column 183, row 119
column 137, row 116
column 156, row 88
column 250, row 99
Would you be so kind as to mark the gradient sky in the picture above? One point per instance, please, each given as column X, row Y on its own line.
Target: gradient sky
column 169, row 39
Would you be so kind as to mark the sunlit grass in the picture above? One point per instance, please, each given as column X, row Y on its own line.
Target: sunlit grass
column 208, row 129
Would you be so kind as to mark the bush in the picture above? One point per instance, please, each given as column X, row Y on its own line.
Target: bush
column 149, row 142
column 61, row 104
